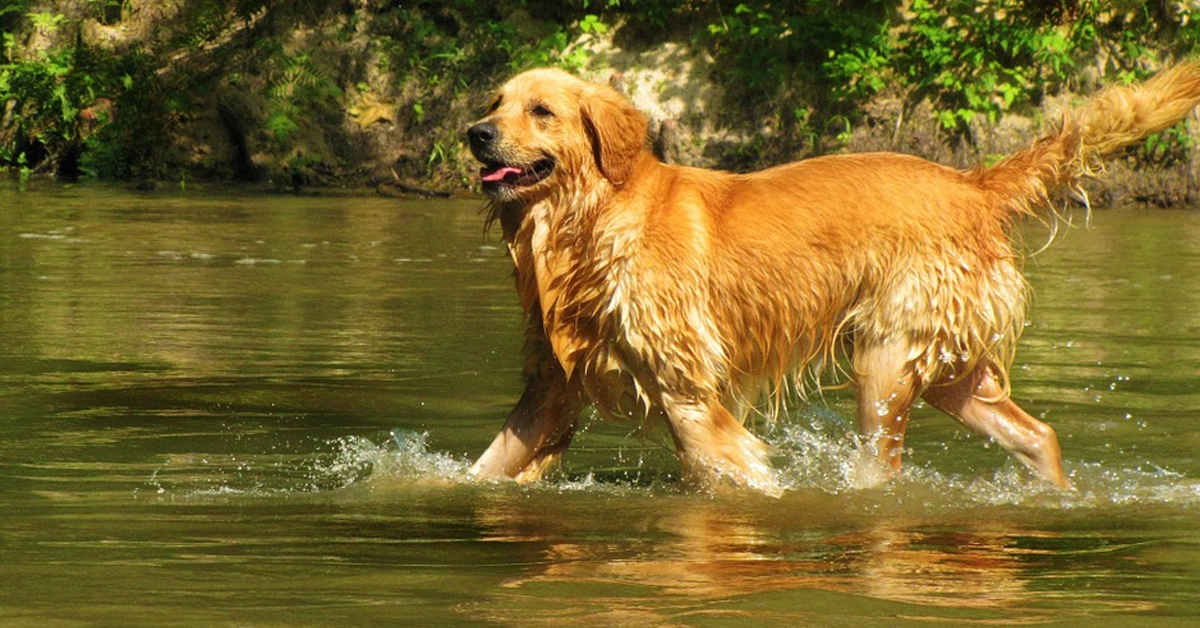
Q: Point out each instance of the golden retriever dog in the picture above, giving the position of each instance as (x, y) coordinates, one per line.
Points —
(692, 296)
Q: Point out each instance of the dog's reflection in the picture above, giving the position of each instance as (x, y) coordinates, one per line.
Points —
(688, 549)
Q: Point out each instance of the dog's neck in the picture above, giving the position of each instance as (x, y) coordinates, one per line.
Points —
(560, 239)
(574, 207)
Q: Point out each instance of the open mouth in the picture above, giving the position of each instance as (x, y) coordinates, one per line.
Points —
(508, 175)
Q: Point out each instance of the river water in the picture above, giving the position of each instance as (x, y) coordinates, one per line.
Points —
(220, 409)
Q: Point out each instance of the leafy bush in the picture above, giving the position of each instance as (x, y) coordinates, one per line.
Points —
(977, 59)
(45, 98)
(59, 105)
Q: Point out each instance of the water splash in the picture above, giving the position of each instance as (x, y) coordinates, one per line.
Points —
(332, 466)
(407, 457)
(821, 454)
(818, 454)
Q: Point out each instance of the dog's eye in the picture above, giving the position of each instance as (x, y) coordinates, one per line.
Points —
(541, 111)
(494, 106)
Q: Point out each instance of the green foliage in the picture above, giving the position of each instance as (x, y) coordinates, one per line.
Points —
(592, 24)
(857, 70)
(1168, 148)
(62, 119)
(45, 21)
(470, 40)
(45, 98)
(299, 88)
(977, 59)
(802, 70)
(970, 59)
(55, 99)
(555, 48)
(12, 9)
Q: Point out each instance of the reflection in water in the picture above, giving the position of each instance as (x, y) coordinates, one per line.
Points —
(965, 569)
(696, 556)
(705, 553)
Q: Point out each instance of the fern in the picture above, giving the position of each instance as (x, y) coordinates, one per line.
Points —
(299, 85)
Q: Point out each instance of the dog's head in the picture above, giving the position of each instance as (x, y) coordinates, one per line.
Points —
(546, 127)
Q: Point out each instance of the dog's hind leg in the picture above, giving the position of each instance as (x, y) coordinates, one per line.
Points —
(981, 403)
(537, 431)
(714, 447)
(887, 386)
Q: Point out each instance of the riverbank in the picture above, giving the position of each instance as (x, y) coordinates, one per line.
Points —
(293, 96)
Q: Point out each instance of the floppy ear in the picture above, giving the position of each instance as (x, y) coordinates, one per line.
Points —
(617, 131)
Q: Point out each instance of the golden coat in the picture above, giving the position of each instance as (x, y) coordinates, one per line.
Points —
(690, 295)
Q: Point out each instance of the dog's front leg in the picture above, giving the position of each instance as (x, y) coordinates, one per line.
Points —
(537, 430)
(715, 448)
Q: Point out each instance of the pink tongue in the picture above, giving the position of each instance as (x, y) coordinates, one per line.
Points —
(499, 173)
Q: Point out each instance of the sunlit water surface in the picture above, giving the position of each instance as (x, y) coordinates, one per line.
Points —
(229, 410)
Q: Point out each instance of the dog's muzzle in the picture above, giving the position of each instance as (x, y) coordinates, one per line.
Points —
(500, 173)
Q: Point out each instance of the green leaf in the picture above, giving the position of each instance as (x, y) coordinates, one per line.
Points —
(46, 21)
(281, 125)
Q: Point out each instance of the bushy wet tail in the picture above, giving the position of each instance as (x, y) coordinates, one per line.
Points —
(1113, 119)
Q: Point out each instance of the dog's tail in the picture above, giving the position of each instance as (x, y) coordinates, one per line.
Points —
(1113, 119)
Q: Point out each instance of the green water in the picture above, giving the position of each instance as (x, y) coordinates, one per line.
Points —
(255, 411)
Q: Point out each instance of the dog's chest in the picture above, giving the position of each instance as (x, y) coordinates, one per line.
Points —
(571, 279)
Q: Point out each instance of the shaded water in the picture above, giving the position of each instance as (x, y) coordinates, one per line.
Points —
(229, 410)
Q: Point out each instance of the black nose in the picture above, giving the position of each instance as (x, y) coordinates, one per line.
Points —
(482, 134)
